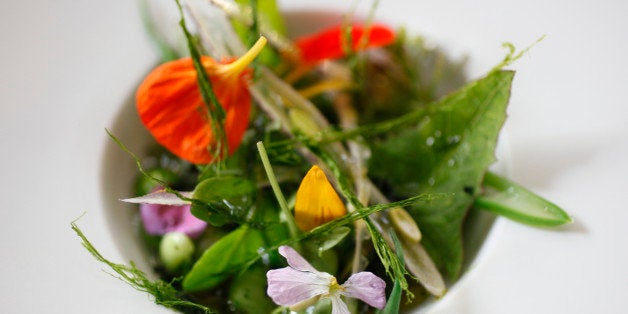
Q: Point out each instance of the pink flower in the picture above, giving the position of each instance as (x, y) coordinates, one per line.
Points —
(300, 283)
(163, 212)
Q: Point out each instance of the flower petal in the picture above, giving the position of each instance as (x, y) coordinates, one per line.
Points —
(288, 286)
(366, 287)
(338, 306)
(316, 202)
(160, 197)
(328, 44)
(170, 105)
(296, 261)
(161, 218)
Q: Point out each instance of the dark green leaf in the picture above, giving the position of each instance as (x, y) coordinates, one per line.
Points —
(448, 152)
(394, 300)
(226, 257)
(327, 261)
(247, 292)
(513, 201)
(328, 240)
(219, 200)
(276, 234)
(275, 231)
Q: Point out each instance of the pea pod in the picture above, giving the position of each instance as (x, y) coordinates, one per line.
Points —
(513, 201)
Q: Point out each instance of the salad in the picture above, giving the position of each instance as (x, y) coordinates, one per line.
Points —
(333, 172)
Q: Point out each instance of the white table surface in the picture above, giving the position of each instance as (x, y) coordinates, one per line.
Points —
(67, 66)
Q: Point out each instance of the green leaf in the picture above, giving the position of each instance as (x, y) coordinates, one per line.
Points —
(326, 261)
(219, 200)
(226, 257)
(448, 152)
(247, 292)
(275, 232)
(513, 201)
(328, 240)
(392, 304)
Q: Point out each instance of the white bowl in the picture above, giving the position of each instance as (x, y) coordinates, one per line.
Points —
(119, 172)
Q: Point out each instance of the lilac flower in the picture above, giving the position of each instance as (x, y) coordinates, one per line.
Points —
(300, 283)
(163, 212)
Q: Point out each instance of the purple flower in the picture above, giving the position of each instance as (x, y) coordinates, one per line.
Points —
(163, 212)
(300, 283)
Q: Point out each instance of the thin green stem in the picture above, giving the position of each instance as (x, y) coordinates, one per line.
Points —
(292, 226)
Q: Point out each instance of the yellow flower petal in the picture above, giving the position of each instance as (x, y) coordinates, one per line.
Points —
(317, 202)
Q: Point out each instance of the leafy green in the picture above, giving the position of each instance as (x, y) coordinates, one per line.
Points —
(247, 292)
(226, 257)
(394, 300)
(219, 200)
(513, 201)
(328, 240)
(448, 152)
(267, 216)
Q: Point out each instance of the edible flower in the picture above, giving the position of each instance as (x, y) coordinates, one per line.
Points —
(163, 212)
(300, 285)
(161, 219)
(330, 43)
(316, 202)
(171, 107)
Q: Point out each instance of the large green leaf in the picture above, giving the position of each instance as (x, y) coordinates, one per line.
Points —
(448, 152)
(225, 258)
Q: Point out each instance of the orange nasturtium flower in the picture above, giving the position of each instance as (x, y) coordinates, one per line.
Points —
(171, 107)
(329, 43)
(317, 202)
